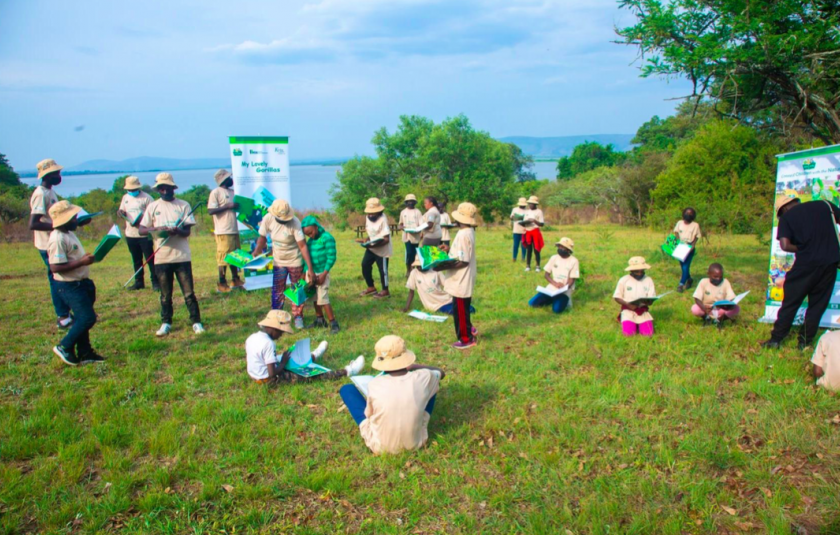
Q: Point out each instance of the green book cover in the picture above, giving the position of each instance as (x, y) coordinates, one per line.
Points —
(108, 242)
(84, 216)
(431, 257)
(239, 258)
(250, 212)
(299, 293)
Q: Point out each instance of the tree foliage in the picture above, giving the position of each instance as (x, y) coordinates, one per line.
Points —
(773, 65)
(586, 157)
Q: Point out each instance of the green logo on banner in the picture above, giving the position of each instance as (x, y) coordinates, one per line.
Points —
(237, 152)
(808, 164)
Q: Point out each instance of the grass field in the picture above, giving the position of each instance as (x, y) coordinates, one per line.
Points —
(552, 424)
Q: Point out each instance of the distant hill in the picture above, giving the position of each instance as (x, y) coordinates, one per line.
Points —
(557, 147)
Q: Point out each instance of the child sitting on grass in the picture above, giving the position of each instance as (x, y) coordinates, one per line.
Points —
(561, 271)
(631, 289)
(261, 353)
(710, 290)
(396, 415)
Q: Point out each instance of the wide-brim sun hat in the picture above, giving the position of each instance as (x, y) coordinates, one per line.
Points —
(410, 197)
(522, 202)
(465, 214)
(221, 175)
(391, 354)
(417, 262)
(373, 206)
(282, 210)
(533, 199)
(62, 212)
(637, 263)
(781, 202)
(46, 167)
(278, 319)
(165, 179)
(132, 183)
(567, 243)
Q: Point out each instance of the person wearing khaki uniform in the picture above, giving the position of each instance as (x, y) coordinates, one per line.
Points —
(410, 217)
(379, 252)
(225, 227)
(132, 207)
(517, 215)
(459, 277)
(561, 271)
(636, 285)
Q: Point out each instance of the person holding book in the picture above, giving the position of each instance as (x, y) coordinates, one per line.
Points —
(69, 265)
(395, 417)
(631, 293)
(459, 275)
(410, 218)
(687, 230)
(517, 215)
(826, 361)
(322, 250)
(263, 364)
(561, 271)
(429, 285)
(290, 252)
(132, 207)
(533, 238)
(431, 233)
(445, 224)
(222, 207)
(377, 248)
(170, 221)
(711, 290)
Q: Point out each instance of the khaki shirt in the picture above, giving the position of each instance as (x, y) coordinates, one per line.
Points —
(687, 233)
(563, 269)
(432, 218)
(709, 294)
(429, 286)
(40, 202)
(65, 247)
(395, 415)
(629, 289)
(461, 282)
(134, 206)
(161, 213)
(225, 222)
(827, 357)
(517, 223)
(444, 232)
(410, 218)
(534, 215)
(284, 240)
(379, 229)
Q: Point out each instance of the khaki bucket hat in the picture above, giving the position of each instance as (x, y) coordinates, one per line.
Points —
(533, 199)
(46, 167)
(465, 214)
(781, 202)
(132, 183)
(373, 206)
(522, 202)
(164, 179)
(278, 319)
(221, 175)
(282, 210)
(410, 197)
(567, 243)
(637, 263)
(391, 354)
(62, 212)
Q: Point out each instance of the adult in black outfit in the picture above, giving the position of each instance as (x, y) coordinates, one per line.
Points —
(809, 230)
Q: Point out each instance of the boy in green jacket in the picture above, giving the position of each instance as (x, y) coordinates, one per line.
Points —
(321, 246)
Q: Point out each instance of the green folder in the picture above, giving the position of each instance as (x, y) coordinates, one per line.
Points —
(299, 293)
(239, 258)
(431, 257)
(108, 242)
(84, 216)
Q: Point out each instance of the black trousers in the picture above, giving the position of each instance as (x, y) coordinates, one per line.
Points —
(529, 251)
(139, 248)
(461, 315)
(166, 274)
(367, 269)
(817, 284)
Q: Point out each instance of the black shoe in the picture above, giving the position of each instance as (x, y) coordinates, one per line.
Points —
(689, 283)
(68, 357)
(681, 288)
(136, 287)
(334, 328)
(707, 322)
(771, 344)
(320, 323)
(91, 358)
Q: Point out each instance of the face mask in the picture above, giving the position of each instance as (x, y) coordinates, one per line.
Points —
(134, 193)
(688, 218)
(638, 276)
(72, 225)
(373, 217)
(167, 195)
(55, 180)
(716, 282)
(564, 253)
(228, 184)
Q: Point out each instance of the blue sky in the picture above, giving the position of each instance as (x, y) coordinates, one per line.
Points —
(176, 78)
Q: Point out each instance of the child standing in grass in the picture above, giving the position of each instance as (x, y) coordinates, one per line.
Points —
(687, 230)
(826, 361)
(410, 217)
(395, 416)
(710, 290)
(562, 270)
(459, 281)
(261, 354)
(634, 286)
(322, 250)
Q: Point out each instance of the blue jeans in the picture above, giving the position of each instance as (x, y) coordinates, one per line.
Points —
(447, 309)
(558, 302)
(686, 267)
(356, 402)
(410, 253)
(517, 245)
(78, 296)
(61, 309)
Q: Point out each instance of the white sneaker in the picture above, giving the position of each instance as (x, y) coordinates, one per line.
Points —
(164, 330)
(298, 323)
(527, 269)
(198, 328)
(538, 269)
(356, 366)
(320, 350)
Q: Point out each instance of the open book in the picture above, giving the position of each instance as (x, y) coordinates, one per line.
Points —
(552, 290)
(427, 317)
(362, 381)
(729, 304)
(675, 248)
(300, 361)
(416, 230)
(372, 243)
(133, 217)
(108, 242)
(431, 257)
(648, 300)
(84, 216)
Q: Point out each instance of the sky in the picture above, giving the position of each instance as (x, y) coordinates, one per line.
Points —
(113, 80)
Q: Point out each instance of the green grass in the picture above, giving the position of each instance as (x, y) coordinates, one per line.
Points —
(553, 424)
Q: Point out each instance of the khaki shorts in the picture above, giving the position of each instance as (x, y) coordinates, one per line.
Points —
(225, 243)
(322, 295)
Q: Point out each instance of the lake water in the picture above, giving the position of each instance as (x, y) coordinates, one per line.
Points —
(310, 183)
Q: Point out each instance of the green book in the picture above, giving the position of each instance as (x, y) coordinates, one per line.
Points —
(84, 216)
(371, 243)
(431, 257)
(133, 217)
(239, 258)
(108, 242)
(250, 212)
(299, 293)
(300, 361)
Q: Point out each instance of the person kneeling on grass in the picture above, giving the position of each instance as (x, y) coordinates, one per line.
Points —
(710, 290)
(261, 354)
(396, 415)
(429, 285)
(633, 287)
(561, 271)
(69, 265)
(826, 361)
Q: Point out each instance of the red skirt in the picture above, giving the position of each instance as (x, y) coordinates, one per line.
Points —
(534, 237)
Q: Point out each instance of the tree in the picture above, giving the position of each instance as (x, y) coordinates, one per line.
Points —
(773, 65)
(586, 157)
(8, 176)
(523, 164)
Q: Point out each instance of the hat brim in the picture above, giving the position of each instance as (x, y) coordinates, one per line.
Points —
(399, 363)
(785, 202)
(281, 218)
(375, 211)
(173, 186)
(572, 249)
(220, 181)
(42, 174)
(132, 189)
(637, 268)
(460, 218)
(66, 216)
(277, 325)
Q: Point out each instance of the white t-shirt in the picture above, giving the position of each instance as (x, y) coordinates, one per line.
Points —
(284, 240)
(563, 269)
(517, 223)
(376, 230)
(533, 215)
(260, 351)
(410, 218)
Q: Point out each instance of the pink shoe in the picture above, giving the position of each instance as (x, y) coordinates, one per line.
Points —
(463, 345)
(474, 331)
